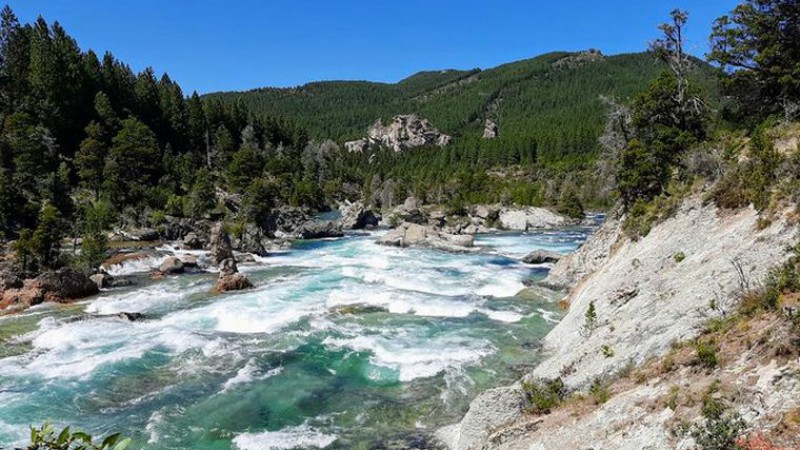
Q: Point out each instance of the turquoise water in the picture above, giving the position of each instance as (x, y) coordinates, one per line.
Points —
(344, 344)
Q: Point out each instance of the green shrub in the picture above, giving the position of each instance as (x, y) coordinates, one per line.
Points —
(721, 428)
(599, 391)
(607, 351)
(544, 395)
(672, 399)
(707, 353)
(679, 257)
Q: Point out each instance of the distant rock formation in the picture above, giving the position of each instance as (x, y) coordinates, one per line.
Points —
(490, 129)
(402, 133)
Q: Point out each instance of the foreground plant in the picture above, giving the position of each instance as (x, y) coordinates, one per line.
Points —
(46, 438)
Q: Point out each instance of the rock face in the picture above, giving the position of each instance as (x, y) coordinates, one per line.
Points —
(355, 216)
(402, 133)
(645, 299)
(541, 257)
(490, 129)
(530, 218)
(222, 255)
(415, 235)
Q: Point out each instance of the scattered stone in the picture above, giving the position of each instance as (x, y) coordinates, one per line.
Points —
(490, 129)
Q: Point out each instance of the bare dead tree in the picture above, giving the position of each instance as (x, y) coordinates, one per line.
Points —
(670, 49)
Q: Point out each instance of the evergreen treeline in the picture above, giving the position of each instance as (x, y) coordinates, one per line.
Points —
(78, 131)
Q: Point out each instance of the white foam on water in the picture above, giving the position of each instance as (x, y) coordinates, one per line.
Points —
(415, 357)
(398, 302)
(502, 316)
(248, 374)
(14, 435)
(77, 349)
(501, 287)
(300, 437)
(134, 266)
(154, 297)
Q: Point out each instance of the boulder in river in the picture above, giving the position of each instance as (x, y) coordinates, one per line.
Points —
(60, 286)
(541, 257)
(317, 230)
(232, 282)
(525, 219)
(356, 216)
(222, 255)
(192, 241)
(171, 266)
(415, 235)
(102, 280)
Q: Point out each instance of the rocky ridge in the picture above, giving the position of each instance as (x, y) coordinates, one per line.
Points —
(404, 132)
(647, 294)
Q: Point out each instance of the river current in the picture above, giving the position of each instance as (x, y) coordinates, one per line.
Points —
(344, 344)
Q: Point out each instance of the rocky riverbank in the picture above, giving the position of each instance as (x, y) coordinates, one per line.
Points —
(162, 251)
(645, 296)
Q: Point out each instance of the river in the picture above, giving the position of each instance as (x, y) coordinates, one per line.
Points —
(343, 344)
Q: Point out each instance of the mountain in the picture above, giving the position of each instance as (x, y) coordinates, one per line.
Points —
(551, 104)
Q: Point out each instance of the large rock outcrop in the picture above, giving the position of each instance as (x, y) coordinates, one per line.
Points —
(60, 286)
(402, 133)
(222, 255)
(647, 294)
(356, 216)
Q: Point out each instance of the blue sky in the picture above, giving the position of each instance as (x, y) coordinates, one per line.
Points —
(213, 45)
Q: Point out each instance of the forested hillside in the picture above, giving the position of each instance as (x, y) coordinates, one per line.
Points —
(549, 108)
